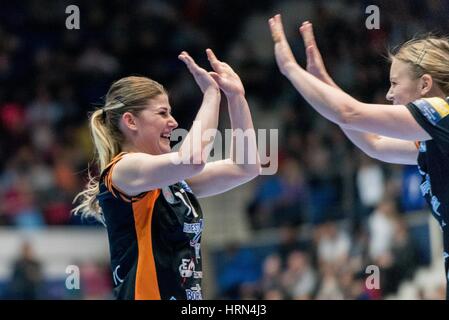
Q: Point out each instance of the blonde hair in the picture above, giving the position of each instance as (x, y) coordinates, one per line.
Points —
(427, 55)
(129, 94)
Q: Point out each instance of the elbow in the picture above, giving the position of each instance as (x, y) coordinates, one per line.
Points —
(347, 115)
(196, 168)
(381, 156)
(255, 171)
(259, 169)
(372, 151)
(373, 154)
(252, 171)
(254, 168)
(195, 161)
(344, 118)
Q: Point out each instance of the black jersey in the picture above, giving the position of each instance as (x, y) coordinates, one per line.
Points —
(432, 114)
(154, 240)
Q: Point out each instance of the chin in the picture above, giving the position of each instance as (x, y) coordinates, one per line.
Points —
(165, 149)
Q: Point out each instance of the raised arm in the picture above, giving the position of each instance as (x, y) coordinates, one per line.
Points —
(339, 107)
(243, 163)
(139, 172)
(376, 146)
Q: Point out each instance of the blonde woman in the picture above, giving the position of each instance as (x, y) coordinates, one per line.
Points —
(414, 131)
(147, 194)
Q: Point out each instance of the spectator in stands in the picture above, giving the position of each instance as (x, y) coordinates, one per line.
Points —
(27, 278)
(299, 279)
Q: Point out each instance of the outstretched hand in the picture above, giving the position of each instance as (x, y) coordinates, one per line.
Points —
(225, 76)
(203, 78)
(315, 63)
(284, 55)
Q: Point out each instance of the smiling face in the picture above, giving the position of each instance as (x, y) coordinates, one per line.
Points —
(149, 131)
(404, 87)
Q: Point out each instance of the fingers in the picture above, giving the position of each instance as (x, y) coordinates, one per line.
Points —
(188, 60)
(216, 64)
(211, 56)
(313, 54)
(184, 57)
(310, 52)
(277, 29)
(313, 57)
(306, 31)
(219, 68)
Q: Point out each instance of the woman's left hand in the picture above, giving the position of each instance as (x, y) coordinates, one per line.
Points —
(203, 78)
(224, 75)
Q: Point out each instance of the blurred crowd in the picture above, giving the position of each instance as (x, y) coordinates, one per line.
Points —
(335, 261)
(51, 77)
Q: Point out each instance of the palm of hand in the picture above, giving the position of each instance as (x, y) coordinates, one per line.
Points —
(203, 79)
(230, 82)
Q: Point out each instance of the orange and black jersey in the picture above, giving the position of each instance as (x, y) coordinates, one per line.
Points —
(154, 240)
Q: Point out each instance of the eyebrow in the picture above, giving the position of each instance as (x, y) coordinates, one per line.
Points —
(165, 108)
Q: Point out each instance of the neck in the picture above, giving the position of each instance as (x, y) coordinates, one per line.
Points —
(130, 148)
(436, 92)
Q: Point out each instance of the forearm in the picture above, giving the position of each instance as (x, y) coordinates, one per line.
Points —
(326, 78)
(373, 145)
(328, 100)
(243, 154)
(384, 148)
(364, 141)
(206, 121)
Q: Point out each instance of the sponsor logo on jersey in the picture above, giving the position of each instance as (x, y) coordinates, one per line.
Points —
(425, 187)
(187, 268)
(194, 293)
(197, 229)
(193, 227)
(191, 209)
(434, 109)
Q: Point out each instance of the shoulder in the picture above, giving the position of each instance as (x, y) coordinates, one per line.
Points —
(109, 167)
(433, 109)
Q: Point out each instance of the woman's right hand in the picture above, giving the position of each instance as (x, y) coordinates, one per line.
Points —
(315, 63)
(282, 51)
(201, 76)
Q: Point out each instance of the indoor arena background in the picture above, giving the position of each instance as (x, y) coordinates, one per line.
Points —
(311, 231)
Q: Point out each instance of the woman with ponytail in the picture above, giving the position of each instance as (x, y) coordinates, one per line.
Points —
(146, 194)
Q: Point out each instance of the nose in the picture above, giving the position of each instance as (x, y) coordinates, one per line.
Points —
(389, 95)
(173, 123)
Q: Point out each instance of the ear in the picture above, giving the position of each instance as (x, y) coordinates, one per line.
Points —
(129, 121)
(425, 84)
